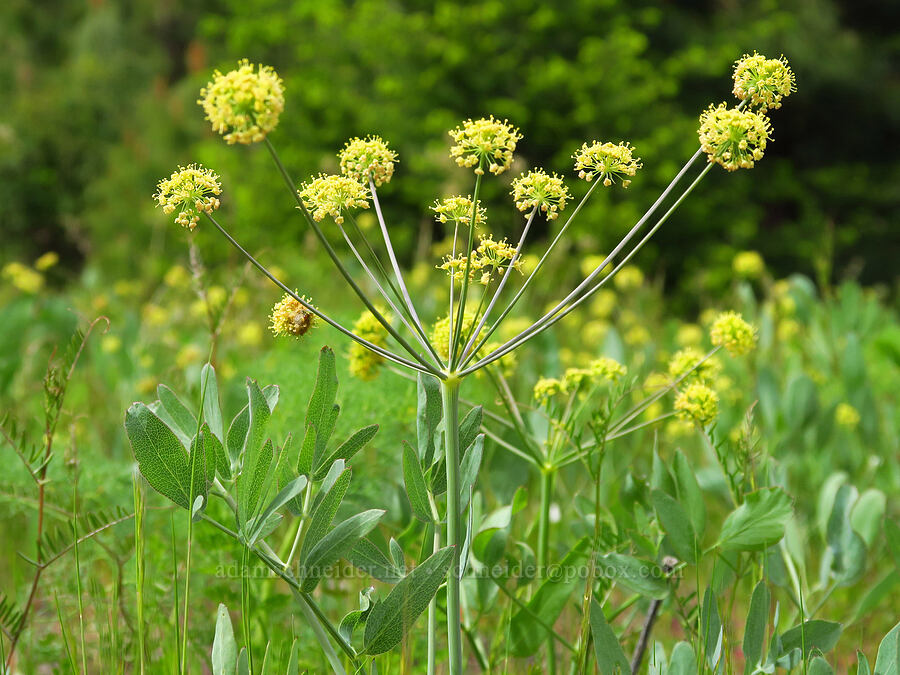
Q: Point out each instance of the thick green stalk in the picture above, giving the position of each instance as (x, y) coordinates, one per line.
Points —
(450, 401)
(548, 474)
(432, 607)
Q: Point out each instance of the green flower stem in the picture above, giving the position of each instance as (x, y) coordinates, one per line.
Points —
(393, 258)
(390, 356)
(521, 291)
(461, 309)
(400, 313)
(452, 287)
(270, 560)
(468, 352)
(450, 402)
(558, 313)
(339, 265)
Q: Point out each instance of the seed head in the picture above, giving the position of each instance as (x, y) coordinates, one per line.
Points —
(290, 317)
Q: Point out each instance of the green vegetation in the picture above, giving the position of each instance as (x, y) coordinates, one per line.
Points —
(691, 466)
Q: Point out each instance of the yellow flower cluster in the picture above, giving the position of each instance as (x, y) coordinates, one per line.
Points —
(733, 138)
(846, 416)
(458, 210)
(331, 195)
(698, 403)
(366, 157)
(687, 360)
(364, 363)
(748, 265)
(290, 317)
(191, 190)
(729, 330)
(608, 162)
(603, 369)
(244, 104)
(764, 81)
(23, 277)
(490, 257)
(440, 333)
(539, 190)
(485, 142)
(546, 388)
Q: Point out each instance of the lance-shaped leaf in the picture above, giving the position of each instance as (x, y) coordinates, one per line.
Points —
(335, 545)
(758, 522)
(212, 412)
(468, 470)
(224, 648)
(414, 480)
(176, 415)
(611, 660)
(324, 510)
(755, 629)
(814, 634)
(237, 431)
(390, 619)
(468, 430)
(321, 413)
(216, 457)
(368, 558)
(683, 661)
(289, 492)
(200, 470)
(689, 494)
(253, 482)
(845, 547)
(711, 630)
(677, 525)
(428, 415)
(347, 449)
(638, 576)
(162, 459)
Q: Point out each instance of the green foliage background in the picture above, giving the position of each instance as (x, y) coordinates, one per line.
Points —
(102, 104)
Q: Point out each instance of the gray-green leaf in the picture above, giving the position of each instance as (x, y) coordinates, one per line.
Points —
(390, 619)
(162, 459)
(758, 522)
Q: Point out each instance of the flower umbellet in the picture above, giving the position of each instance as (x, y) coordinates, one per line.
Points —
(607, 162)
(333, 196)
(763, 82)
(243, 104)
(191, 190)
(730, 331)
(735, 139)
(458, 210)
(539, 190)
(369, 157)
(697, 403)
(486, 142)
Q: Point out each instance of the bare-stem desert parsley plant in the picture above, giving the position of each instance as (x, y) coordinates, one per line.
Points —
(244, 106)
